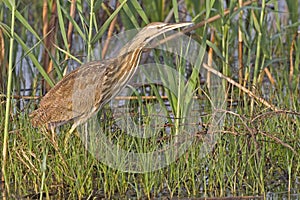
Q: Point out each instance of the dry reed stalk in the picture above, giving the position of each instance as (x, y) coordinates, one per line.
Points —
(210, 57)
(70, 26)
(109, 33)
(45, 30)
(291, 74)
(269, 75)
(45, 17)
(250, 93)
(49, 32)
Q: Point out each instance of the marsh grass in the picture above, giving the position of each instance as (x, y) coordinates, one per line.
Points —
(240, 164)
(257, 151)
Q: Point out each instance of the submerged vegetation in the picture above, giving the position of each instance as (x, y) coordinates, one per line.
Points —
(255, 48)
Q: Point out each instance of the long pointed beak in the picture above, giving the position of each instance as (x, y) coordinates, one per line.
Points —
(169, 27)
(173, 26)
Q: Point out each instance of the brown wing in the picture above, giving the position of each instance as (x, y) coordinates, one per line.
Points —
(72, 97)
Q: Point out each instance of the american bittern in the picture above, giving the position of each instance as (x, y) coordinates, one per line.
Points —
(107, 78)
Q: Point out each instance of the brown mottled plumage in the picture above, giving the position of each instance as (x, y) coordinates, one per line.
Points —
(85, 90)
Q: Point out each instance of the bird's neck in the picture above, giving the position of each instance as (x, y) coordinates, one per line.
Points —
(134, 45)
(131, 59)
(120, 74)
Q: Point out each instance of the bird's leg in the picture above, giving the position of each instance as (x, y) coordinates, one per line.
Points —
(69, 133)
(52, 130)
(86, 135)
(49, 132)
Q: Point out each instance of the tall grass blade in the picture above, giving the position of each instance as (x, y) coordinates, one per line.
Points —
(107, 22)
(175, 8)
(131, 16)
(23, 21)
(35, 61)
(140, 11)
(62, 25)
(75, 24)
(89, 42)
(30, 54)
(8, 96)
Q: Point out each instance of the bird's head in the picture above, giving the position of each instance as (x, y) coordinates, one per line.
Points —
(155, 29)
(150, 32)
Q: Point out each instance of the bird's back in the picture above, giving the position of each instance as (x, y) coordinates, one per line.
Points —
(75, 95)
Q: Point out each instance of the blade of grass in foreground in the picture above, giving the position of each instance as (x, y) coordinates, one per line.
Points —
(175, 7)
(90, 31)
(140, 10)
(62, 25)
(8, 99)
(131, 16)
